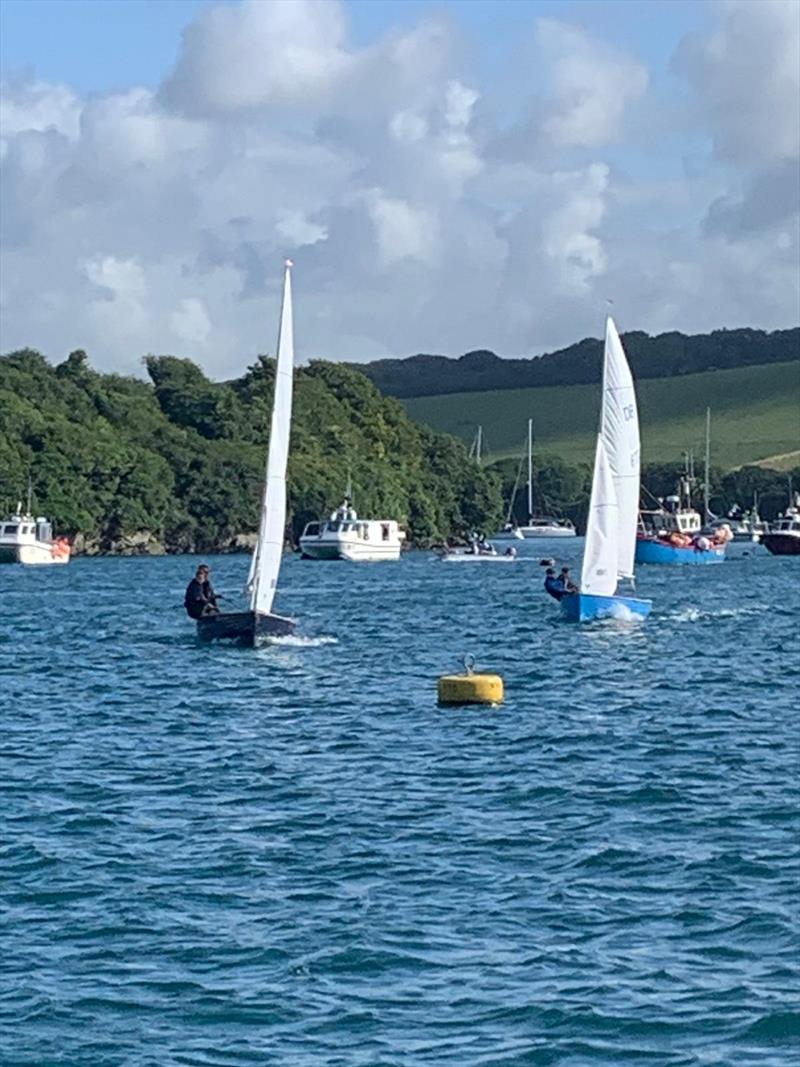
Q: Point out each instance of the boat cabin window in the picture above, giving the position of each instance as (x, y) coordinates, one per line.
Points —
(25, 530)
(312, 529)
(333, 526)
(11, 528)
(384, 531)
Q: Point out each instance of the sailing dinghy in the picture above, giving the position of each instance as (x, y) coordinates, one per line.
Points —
(260, 621)
(608, 554)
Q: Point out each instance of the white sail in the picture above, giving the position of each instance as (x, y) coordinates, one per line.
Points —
(266, 561)
(599, 574)
(619, 426)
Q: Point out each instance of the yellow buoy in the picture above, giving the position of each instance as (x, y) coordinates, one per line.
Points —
(470, 688)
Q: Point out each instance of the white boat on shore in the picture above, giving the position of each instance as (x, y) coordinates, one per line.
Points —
(346, 536)
(29, 540)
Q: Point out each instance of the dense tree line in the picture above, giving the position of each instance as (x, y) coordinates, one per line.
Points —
(181, 458)
(664, 356)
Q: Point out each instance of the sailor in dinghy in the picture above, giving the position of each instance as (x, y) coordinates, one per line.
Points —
(608, 554)
(260, 621)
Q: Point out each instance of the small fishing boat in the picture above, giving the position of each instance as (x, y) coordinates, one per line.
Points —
(783, 538)
(537, 526)
(466, 555)
(29, 540)
(608, 554)
(672, 534)
(346, 536)
(249, 627)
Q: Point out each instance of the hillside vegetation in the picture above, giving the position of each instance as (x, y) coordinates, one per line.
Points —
(754, 415)
(667, 355)
(177, 463)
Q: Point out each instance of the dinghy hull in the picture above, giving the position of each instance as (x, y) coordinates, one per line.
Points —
(587, 607)
(244, 627)
(652, 551)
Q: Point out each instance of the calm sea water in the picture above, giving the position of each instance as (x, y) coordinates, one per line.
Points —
(221, 856)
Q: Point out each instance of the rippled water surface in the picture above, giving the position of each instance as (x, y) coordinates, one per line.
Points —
(221, 856)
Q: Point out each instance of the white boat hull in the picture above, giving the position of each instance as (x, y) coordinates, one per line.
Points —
(35, 554)
(472, 557)
(354, 552)
(533, 532)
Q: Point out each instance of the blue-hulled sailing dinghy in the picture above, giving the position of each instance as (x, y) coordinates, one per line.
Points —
(608, 554)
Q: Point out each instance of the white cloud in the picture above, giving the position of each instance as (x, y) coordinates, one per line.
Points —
(190, 322)
(249, 54)
(591, 85)
(136, 222)
(401, 230)
(746, 71)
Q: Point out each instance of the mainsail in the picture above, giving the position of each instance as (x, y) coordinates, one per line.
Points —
(619, 427)
(599, 574)
(266, 561)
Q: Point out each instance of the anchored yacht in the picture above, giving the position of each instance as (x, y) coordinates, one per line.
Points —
(345, 536)
(29, 540)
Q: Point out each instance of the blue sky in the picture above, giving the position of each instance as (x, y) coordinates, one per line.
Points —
(445, 175)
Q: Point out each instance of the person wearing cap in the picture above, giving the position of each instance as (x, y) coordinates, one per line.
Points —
(200, 597)
(553, 585)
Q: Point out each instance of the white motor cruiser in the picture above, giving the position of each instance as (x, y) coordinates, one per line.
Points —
(345, 536)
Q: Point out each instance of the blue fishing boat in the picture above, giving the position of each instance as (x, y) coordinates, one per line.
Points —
(672, 534)
(608, 554)
(655, 550)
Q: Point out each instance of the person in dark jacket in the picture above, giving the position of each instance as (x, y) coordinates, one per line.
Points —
(200, 597)
(553, 585)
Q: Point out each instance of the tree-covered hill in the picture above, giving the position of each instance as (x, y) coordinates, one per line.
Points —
(178, 462)
(665, 356)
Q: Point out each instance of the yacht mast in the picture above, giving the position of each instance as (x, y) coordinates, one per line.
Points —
(706, 488)
(530, 469)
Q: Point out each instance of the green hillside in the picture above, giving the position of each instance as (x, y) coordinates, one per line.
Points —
(755, 414)
(177, 463)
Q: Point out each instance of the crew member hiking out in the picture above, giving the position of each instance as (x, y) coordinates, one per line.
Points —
(200, 597)
(554, 586)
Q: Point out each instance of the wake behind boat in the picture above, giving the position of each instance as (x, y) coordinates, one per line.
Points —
(260, 621)
(611, 527)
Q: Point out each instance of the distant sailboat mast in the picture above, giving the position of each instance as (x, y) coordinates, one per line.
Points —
(707, 516)
(530, 470)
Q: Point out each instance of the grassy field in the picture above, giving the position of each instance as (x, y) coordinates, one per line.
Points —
(755, 414)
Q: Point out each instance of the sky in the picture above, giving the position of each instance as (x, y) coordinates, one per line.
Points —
(446, 176)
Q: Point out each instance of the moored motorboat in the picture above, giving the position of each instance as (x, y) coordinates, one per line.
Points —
(346, 536)
(466, 555)
(783, 538)
(29, 540)
(609, 551)
(250, 627)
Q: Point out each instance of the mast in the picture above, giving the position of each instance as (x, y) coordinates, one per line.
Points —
(706, 509)
(530, 469)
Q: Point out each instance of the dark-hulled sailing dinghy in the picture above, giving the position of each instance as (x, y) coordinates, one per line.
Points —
(248, 627)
